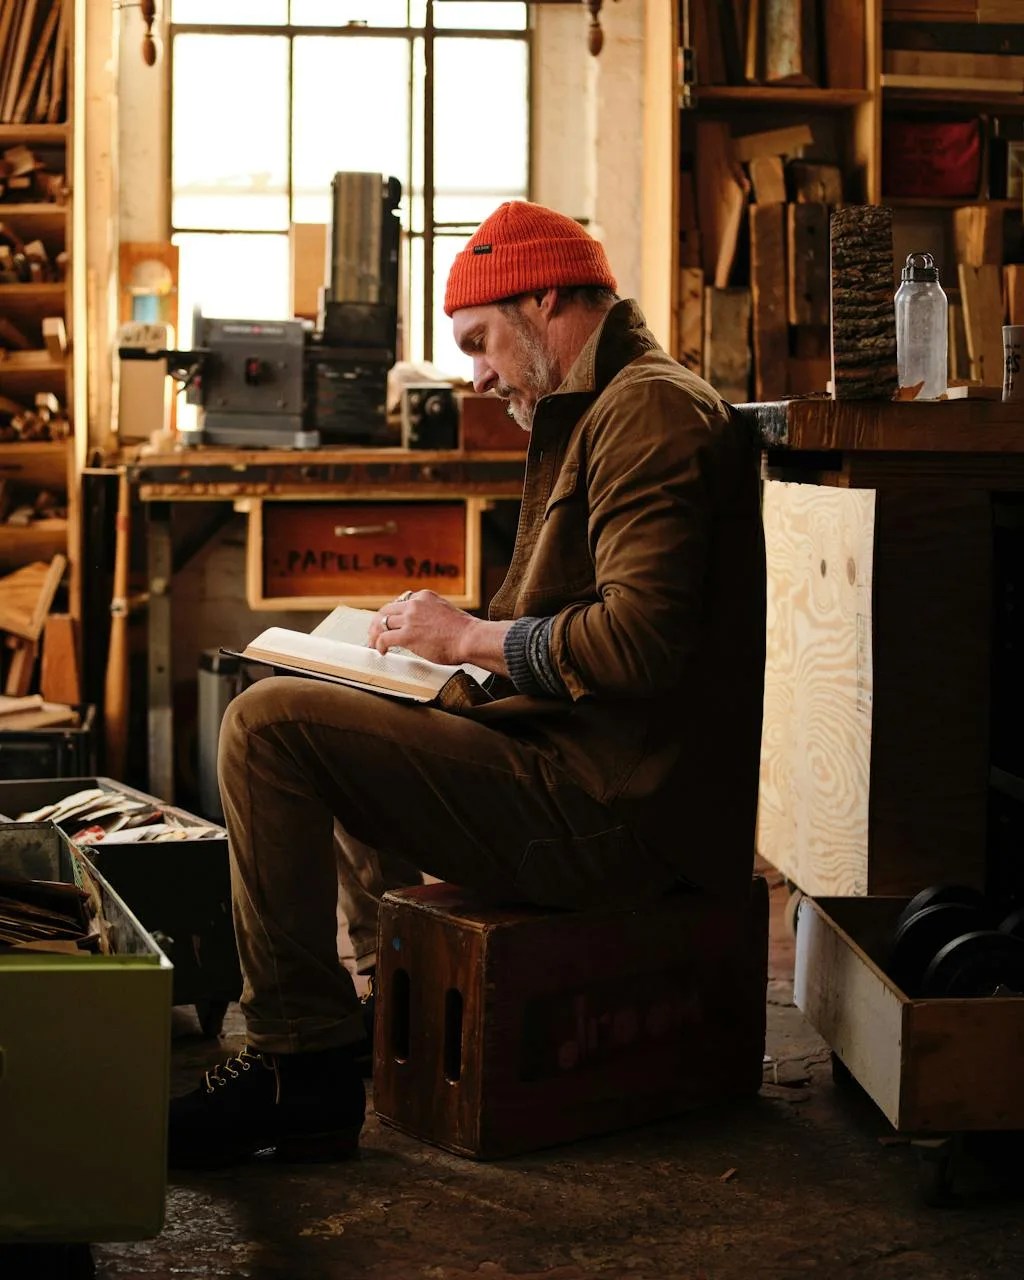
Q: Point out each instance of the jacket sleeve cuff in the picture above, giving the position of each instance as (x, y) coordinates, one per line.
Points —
(527, 651)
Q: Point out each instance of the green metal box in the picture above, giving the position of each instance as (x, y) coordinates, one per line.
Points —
(84, 1070)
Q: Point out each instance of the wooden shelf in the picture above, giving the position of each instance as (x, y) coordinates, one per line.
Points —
(943, 99)
(36, 462)
(949, 202)
(40, 540)
(21, 380)
(755, 96)
(33, 133)
(51, 214)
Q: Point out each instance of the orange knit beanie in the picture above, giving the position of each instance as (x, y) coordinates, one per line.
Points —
(522, 247)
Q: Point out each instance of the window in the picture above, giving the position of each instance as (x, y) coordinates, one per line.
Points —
(270, 98)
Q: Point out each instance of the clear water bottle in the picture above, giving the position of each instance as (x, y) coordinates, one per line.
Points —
(921, 329)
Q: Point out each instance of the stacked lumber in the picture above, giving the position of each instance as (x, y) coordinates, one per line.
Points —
(33, 61)
(26, 597)
(754, 222)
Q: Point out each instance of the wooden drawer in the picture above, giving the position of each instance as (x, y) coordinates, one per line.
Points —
(932, 1066)
(316, 554)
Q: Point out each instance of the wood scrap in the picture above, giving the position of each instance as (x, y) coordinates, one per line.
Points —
(814, 183)
(978, 234)
(981, 292)
(59, 676)
(773, 142)
(768, 299)
(863, 319)
(790, 45)
(727, 342)
(767, 179)
(722, 189)
(808, 263)
(26, 596)
(691, 318)
(1013, 292)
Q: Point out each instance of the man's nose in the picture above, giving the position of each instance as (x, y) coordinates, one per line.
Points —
(484, 377)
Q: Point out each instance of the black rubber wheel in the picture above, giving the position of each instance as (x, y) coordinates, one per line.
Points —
(978, 963)
(211, 1014)
(936, 894)
(922, 935)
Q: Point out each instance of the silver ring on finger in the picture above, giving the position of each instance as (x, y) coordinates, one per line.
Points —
(406, 595)
(384, 623)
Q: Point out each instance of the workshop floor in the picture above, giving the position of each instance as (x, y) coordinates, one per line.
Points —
(804, 1179)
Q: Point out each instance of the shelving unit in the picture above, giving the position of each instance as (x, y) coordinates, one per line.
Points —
(31, 466)
(685, 273)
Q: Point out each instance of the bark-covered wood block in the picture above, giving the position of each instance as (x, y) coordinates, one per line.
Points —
(863, 314)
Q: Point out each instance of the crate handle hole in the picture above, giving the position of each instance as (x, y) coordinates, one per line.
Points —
(452, 1035)
(400, 1015)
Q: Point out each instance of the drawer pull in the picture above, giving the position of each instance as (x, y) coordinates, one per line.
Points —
(354, 530)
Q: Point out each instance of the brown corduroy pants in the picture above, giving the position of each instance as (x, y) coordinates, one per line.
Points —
(423, 789)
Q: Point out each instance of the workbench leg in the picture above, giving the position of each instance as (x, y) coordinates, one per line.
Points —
(160, 721)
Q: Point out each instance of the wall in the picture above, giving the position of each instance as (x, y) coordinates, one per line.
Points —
(586, 162)
(587, 123)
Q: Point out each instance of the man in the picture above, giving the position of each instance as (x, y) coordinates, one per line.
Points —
(619, 756)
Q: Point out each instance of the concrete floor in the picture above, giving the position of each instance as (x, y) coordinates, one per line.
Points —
(804, 1179)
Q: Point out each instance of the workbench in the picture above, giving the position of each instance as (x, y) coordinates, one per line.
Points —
(228, 480)
(891, 754)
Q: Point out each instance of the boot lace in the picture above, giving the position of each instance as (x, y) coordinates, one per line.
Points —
(219, 1076)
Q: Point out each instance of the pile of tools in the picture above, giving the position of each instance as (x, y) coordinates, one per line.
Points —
(951, 941)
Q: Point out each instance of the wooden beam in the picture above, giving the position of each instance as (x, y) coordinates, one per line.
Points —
(981, 291)
(768, 300)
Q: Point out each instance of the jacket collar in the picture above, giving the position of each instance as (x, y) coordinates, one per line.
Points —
(620, 338)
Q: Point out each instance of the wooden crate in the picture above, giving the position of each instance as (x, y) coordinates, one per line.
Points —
(875, 746)
(932, 1066)
(501, 1030)
(317, 554)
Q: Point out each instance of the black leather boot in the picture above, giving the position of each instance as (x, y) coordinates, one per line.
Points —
(302, 1106)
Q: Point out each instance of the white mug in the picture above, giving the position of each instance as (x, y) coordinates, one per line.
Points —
(1013, 361)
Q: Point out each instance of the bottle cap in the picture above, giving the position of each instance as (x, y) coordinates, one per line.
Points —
(920, 268)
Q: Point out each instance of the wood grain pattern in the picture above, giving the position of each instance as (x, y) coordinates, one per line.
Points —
(844, 27)
(849, 1002)
(981, 293)
(963, 428)
(978, 234)
(726, 342)
(547, 998)
(691, 318)
(816, 739)
(808, 259)
(768, 300)
(1013, 289)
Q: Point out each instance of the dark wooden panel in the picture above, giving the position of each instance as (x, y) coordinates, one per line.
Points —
(573, 1023)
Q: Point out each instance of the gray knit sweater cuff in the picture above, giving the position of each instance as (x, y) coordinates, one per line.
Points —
(527, 651)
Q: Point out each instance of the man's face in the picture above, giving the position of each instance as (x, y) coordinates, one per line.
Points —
(510, 356)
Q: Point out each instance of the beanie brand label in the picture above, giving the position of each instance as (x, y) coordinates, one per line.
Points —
(481, 248)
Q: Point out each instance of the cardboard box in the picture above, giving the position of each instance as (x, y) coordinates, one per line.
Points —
(84, 1072)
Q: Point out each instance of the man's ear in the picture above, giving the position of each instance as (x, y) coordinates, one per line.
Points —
(549, 302)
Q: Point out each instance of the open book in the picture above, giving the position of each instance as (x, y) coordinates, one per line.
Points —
(337, 650)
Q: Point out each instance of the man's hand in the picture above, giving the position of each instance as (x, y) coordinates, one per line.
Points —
(426, 624)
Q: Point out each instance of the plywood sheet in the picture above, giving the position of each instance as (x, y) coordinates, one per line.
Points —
(816, 741)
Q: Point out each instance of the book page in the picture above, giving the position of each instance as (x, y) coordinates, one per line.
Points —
(345, 623)
(353, 625)
(404, 673)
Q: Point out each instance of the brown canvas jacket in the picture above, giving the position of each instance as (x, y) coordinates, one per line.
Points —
(640, 534)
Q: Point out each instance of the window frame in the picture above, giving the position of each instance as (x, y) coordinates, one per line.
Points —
(429, 34)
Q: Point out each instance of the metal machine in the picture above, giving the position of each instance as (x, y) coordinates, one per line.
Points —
(283, 383)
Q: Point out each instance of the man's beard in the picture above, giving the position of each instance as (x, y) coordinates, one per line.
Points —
(539, 377)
